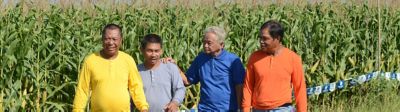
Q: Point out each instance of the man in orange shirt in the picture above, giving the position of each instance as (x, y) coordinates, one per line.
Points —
(271, 74)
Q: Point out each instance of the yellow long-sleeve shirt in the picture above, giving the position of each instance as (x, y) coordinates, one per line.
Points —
(109, 83)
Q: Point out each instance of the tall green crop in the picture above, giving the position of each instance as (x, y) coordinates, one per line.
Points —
(41, 51)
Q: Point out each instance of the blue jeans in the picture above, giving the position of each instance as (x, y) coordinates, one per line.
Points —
(289, 108)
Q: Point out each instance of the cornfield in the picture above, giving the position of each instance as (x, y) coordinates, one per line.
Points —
(41, 50)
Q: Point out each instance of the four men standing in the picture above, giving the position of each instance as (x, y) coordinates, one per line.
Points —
(271, 74)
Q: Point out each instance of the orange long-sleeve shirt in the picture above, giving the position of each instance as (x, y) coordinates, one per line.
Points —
(269, 81)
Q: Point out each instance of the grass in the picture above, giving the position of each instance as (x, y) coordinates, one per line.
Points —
(375, 96)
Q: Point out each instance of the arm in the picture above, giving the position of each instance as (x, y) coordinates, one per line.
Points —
(248, 88)
(82, 90)
(299, 86)
(238, 73)
(184, 78)
(178, 89)
(135, 86)
(239, 94)
(192, 74)
(172, 106)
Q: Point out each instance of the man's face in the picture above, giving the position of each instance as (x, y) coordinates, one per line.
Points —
(211, 44)
(152, 52)
(111, 42)
(267, 43)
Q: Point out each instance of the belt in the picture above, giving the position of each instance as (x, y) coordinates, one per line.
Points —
(286, 105)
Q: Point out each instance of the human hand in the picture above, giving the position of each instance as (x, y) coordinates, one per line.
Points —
(168, 59)
(171, 107)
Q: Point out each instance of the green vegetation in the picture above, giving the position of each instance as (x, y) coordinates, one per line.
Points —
(41, 49)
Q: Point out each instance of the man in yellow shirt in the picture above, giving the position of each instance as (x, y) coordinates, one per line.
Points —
(108, 77)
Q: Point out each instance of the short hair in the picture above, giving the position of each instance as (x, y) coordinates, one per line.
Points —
(150, 38)
(220, 32)
(275, 29)
(111, 27)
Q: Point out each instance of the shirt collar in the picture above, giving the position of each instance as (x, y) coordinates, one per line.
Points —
(220, 56)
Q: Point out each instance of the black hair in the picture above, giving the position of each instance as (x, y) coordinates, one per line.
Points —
(275, 29)
(111, 27)
(151, 38)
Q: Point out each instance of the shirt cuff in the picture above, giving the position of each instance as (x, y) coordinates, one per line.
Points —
(78, 110)
(177, 101)
(246, 109)
(144, 108)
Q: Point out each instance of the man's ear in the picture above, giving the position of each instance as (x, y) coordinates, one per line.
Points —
(141, 49)
(121, 40)
(280, 39)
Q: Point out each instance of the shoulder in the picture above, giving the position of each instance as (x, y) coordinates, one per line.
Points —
(200, 57)
(126, 59)
(256, 55)
(232, 58)
(293, 54)
(171, 66)
(230, 55)
(125, 56)
(93, 57)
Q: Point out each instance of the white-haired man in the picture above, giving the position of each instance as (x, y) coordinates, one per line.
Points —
(220, 73)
